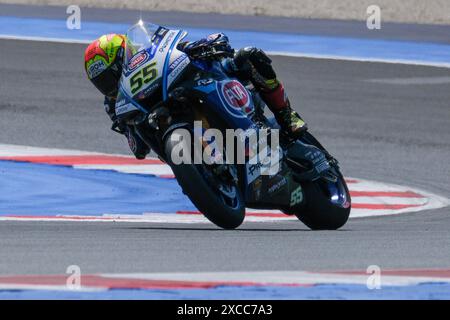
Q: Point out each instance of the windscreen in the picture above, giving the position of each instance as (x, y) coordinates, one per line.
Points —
(139, 37)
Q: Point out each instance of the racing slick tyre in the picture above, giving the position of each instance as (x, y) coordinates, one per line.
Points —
(327, 204)
(220, 202)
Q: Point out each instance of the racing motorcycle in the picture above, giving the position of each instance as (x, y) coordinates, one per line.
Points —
(163, 90)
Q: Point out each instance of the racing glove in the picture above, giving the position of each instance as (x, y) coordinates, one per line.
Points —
(136, 144)
(216, 44)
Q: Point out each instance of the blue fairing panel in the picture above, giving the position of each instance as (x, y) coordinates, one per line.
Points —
(230, 99)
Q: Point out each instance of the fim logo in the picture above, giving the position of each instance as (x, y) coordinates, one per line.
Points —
(73, 21)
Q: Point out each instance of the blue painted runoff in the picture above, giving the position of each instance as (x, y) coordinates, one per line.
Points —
(40, 189)
(425, 291)
(272, 42)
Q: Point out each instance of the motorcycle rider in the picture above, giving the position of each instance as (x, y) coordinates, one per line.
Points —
(103, 65)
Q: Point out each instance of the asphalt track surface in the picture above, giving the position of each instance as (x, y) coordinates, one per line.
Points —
(395, 133)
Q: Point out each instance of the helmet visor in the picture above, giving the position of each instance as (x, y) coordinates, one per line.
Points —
(107, 82)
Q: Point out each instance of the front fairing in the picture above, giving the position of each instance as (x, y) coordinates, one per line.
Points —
(226, 96)
(229, 100)
(152, 63)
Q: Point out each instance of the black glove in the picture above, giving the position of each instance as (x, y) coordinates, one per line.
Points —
(215, 45)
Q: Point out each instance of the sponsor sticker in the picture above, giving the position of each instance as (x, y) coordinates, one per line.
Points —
(176, 71)
(204, 82)
(138, 60)
(296, 196)
(253, 171)
(125, 108)
(235, 94)
(148, 91)
(120, 103)
(235, 98)
(177, 61)
(278, 185)
(213, 36)
(167, 41)
(162, 31)
(96, 68)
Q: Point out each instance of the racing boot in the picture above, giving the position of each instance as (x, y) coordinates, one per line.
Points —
(278, 102)
(254, 64)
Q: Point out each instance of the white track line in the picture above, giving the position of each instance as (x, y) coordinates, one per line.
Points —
(15, 150)
(152, 169)
(281, 277)
(425, 201)
(265, 278)
(360, 59)
(44, 39)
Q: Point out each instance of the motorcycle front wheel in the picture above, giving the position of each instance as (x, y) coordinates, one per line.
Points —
(219, 201)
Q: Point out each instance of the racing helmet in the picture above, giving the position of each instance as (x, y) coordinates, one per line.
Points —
(103, 60)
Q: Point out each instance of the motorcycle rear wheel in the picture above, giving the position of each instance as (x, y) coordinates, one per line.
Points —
(319, 211)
